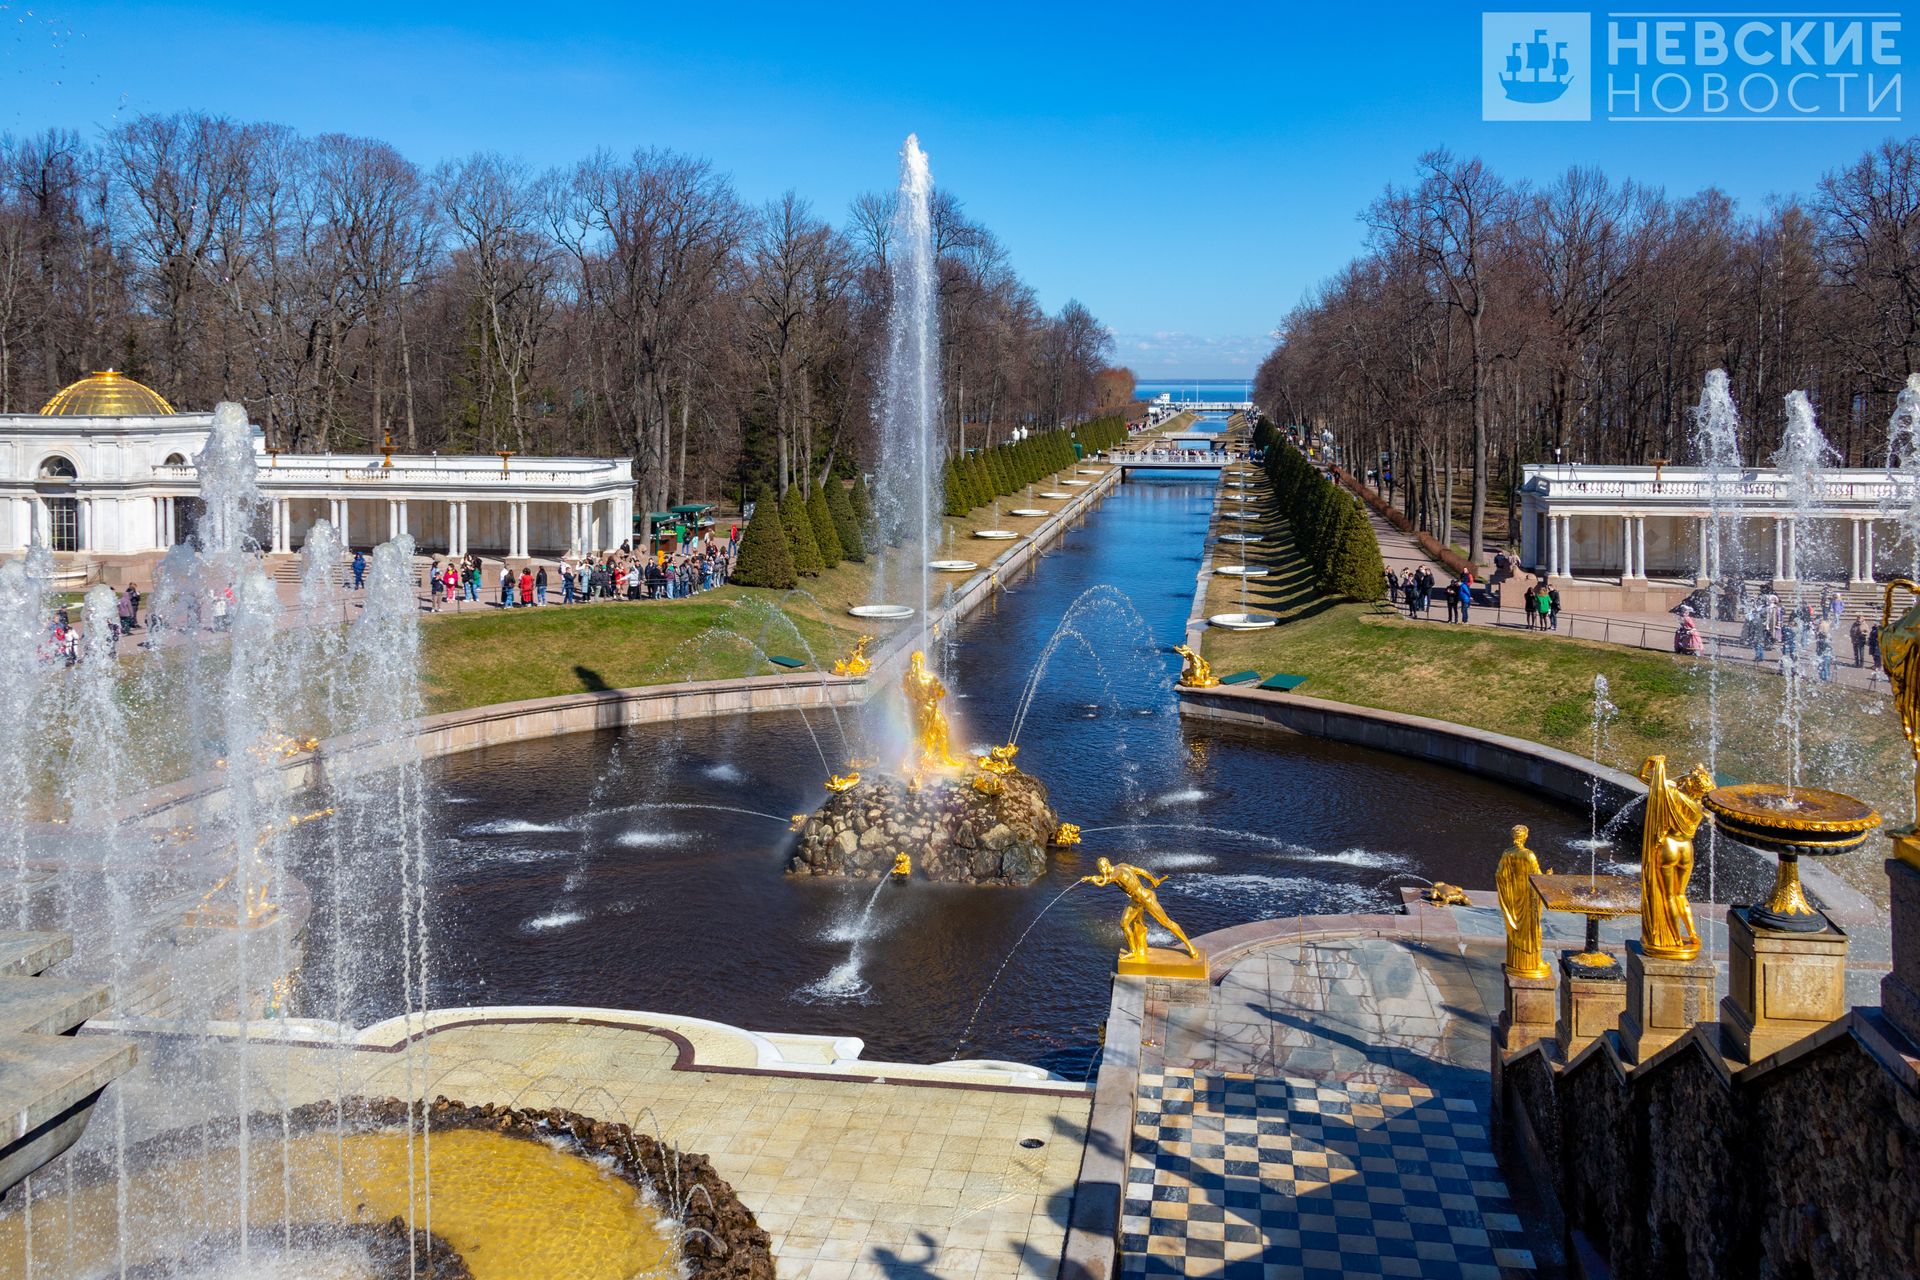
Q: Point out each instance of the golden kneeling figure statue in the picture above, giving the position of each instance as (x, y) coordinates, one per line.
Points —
(1198, 672)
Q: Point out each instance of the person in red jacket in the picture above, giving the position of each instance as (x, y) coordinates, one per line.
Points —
(526, 588)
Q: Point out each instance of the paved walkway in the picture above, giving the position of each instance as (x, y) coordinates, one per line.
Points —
(1323, 1115)
(854, 1179)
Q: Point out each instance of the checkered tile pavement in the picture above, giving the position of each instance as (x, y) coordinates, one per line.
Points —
(1243, 1178)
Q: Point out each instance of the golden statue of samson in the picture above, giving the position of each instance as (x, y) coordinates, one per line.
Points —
(924, 692)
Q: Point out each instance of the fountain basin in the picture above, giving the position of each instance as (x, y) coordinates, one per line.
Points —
(1242, 621)
(1243, 537)
(952, 566)
(882, 612)
(1242, 570)
(1054, 493)
(1241, 515)
(1077, 482)
(1800, 820)
(996, 535)
(514, 1194)
(1028, 511)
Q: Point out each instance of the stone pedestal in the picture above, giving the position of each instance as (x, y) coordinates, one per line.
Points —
(1167, 963)
(1780, 986)
(1591, 1002)
(1665, 999)
(1530, 1012)
(1900, 990)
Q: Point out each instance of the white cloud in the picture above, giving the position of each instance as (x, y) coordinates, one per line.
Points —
(1170, 353)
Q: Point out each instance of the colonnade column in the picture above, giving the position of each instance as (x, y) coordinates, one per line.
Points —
(1869, 558)
(85, 523)
(342, 520)
(573, 528)
(1779, 547)
(1853, 547)
(453, 527)
(1705, 573)
(1793, 550)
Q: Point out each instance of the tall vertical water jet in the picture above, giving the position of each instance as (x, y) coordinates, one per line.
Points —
(1717, 437)
(24, 674)
(906, 499)
(1803, 459)
(1903, 465)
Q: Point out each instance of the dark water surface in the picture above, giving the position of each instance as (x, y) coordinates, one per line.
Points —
(644, 869)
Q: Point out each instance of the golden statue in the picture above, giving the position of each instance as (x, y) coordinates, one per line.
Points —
(1674, 813)
(1442, 894)
(998, 759)
(924, 691)
(855, 663)
(902, 865)
(843, 783)
(1198, 673)
(1900, 656)
(1138, 884)
(1521, 908)
(1065, 834)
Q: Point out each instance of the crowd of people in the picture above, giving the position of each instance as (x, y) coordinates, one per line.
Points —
(625, 574)
(1802, 629)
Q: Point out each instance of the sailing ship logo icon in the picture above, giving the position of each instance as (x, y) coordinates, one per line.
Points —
(1535, 86)
(1536, 66)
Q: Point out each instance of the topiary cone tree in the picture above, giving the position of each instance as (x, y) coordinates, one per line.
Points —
(825, 536)
(764, 560)
(800, 544)
(853, 545)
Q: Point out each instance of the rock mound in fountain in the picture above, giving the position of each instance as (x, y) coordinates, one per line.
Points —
(953, 832)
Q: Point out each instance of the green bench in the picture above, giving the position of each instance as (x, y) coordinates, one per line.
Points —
(1283, 682)
(791, 664)
(1240, 677)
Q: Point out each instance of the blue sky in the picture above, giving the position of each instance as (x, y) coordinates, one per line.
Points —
(1187, 171)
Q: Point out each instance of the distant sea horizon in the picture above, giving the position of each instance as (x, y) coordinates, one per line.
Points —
(1181, 389)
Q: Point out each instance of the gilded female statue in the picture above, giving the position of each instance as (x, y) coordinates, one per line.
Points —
(1674, 813)
(924, 691)
(1521, 908)
(1900, 655)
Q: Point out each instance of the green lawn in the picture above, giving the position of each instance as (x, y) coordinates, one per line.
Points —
(1542, 688)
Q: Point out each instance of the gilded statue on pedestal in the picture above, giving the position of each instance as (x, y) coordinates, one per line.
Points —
(1198, 672)
(1521, 908)
(1674, 813)
(1900, 655)
(1138, 884)
(924, 691)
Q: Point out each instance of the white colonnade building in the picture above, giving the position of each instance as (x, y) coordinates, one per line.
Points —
(104, 473)
(1644, 535)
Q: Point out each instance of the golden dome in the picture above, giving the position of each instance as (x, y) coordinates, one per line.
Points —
(106, 395)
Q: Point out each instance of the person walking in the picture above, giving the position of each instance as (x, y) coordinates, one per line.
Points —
(506, 587)
(1873, 646)
(540, 586)
(566, 584)
(1464, 588)
(133, 605)
(1453, 602)
(1858, 634)
(1553, 608)
(526, 587)
(359, 570)
(124, 607)
(433, 586)
(450, 578)
(1823, 648)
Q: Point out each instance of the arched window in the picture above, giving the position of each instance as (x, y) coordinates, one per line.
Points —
(58, 468)
(175, 460)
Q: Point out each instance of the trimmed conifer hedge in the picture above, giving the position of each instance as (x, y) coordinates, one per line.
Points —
(1330, 528)
(853, 544)
(825, 537)
(800, 544)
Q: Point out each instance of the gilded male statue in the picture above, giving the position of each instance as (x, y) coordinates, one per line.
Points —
(1521, 908)
(1198, 672)
(924, 691)
(1674, 813)
(1138, 884)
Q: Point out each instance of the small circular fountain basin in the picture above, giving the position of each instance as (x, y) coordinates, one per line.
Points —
(1803, 820)
(1242, 570)
(1243, 537)
(1078, 482)
(1028, 511)
(952, 566)
(1054, 493)
(1241, 515)
(1242, 621)
(882, 612)
(996, 535)
(1085, 471)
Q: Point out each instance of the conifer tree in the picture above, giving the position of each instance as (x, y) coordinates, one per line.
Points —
(853, 546)
(825, 536)
(764, 560)
(800, 544)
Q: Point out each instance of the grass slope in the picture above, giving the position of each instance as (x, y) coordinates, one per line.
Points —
(1542, 688)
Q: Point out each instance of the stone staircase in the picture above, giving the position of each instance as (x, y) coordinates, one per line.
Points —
(49, 1077)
